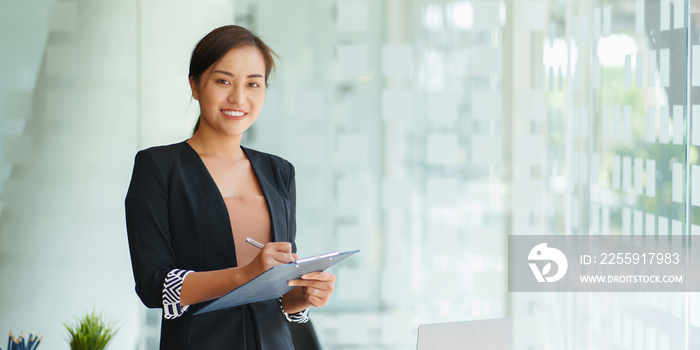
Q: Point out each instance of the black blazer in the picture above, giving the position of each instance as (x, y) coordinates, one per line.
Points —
(177, 218)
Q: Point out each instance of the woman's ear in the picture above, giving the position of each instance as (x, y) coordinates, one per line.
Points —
(193, 86)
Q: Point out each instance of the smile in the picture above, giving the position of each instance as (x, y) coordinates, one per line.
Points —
(233, 113)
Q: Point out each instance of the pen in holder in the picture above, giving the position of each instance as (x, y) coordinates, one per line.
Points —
(20, 343)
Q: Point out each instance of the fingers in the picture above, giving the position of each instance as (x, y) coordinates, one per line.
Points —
(283, 253)
(277, 253)
(316, 286)
(282, 247)
(271, 255)
(309, 278)
(319, 276)
(317, 297)
(316, 301)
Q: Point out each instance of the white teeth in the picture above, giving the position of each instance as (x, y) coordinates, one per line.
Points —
(234, 113)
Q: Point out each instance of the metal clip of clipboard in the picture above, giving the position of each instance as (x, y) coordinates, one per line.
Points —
(316, 257)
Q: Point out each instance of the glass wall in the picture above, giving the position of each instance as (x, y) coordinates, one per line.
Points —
(423, 133)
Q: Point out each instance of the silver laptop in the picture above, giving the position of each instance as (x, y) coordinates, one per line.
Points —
(492, 334)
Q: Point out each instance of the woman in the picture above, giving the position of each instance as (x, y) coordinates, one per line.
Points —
(191, 205)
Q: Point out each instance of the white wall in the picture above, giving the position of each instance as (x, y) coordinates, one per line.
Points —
(111, 77)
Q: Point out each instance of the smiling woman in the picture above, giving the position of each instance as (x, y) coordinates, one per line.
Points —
(233, 89)
(191, 205)
(217, 44)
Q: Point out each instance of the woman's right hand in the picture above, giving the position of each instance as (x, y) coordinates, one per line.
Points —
(208, 285)
(272, 254)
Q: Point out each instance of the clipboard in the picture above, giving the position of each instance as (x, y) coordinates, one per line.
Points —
(272, 283)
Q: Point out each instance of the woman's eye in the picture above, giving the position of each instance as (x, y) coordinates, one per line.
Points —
(253, 84)
(223, 81)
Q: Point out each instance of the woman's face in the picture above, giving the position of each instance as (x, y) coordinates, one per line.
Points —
(231, 92)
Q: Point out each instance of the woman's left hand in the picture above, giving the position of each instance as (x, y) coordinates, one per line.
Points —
(317, 287)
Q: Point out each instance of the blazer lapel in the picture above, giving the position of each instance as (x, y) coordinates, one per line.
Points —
(213, 218)
(275, 203)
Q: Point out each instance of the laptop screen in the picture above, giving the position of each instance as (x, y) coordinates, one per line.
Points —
(491, 334)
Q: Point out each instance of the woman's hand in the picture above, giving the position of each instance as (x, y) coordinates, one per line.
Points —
(317, 287)
(272, 254)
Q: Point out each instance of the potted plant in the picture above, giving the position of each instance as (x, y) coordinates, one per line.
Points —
(91, 332)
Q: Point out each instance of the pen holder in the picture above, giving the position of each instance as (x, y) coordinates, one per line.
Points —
(22, 343)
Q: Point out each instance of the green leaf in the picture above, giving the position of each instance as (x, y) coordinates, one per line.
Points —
(90, 332)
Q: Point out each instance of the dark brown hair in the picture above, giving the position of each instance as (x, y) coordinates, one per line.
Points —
(218, 42)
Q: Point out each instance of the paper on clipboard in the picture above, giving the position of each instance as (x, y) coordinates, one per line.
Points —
(272, 283)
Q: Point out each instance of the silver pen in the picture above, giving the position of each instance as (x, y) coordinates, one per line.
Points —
(258, 244)
(254, 243)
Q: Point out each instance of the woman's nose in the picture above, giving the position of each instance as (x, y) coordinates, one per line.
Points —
(236, 96)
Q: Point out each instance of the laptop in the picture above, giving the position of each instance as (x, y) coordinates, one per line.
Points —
(491, 334)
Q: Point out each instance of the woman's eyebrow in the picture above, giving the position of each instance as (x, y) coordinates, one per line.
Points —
(231, 74)
(223, 72)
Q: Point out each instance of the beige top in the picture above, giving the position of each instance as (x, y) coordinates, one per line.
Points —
(250, 217)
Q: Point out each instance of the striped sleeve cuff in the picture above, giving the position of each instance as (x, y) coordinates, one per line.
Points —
(297, 317)
(171, 294)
